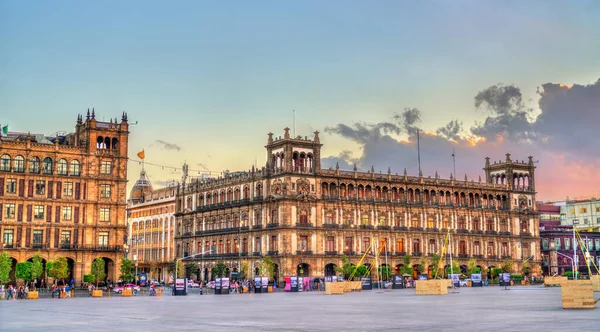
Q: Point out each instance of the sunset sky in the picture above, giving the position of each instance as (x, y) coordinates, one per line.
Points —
(206, 81)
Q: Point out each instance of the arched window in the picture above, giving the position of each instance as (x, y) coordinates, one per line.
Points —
(34, 165)
(62, 167)
(47, 166)
(5, 163)
(75, 168)
(100, 143)
(115, 144)
(19, 164)
(107, 142)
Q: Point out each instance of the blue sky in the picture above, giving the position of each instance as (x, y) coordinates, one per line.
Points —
(215, 77)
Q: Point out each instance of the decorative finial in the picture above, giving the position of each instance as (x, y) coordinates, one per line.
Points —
(451, 177)
(93, 114)
(389, 170)
(317, 140)
(354, 167)
(372, 169)
(480, 179)
(88, 114)
(436, 175)
(466, 177)
(421, 173)
(286, 135)
(405, 172)
(337, 165)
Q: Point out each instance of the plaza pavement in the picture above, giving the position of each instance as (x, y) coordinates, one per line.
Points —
(470, 309)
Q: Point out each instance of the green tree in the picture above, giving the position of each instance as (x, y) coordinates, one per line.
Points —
(471, 267)
(244, 270)
(496, 272)
(58, 269)
(5, 267)
(126, 269)
(23, 271)
(152, 269)
(192, 268)
(507, 266)
(422, 267)
(219, 269)
(37, 267)
(385, 273)
(362, 271)
(98, 273)
(435, 265)
(346, 269)
(454, 269)
(525, 268)
(180, 269)
(266, 268)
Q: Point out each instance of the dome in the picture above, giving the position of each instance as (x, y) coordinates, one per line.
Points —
(141, 187)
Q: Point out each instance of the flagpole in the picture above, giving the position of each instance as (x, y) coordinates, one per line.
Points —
(294, 122)
(454, 161)
(419, 151)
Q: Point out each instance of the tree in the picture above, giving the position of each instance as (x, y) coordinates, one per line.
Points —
(496, 272)
(192, 268)
(98, 273)
(346, 269)
(454, 269)
(58, 269)
(435, 265)
(152, 269)
(525, 268)
(37, 267)
(471, 267)
(126, 269)
(507, 266)
(180, 269)
(219, 269)
(266, 268)
(362, 271)
(23, 271)
(244, 270)
(385, 272)
(422, 267)
(5, 267)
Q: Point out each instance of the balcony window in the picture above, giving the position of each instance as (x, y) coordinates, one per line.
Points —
(105, 214)
(5, 163)
(11, 186)
(19, 164)
(303, 243)
(8, 237)
(37, 236)
(10, 211)
(47, 166)
(38, 212)
(34, 165)
(65, 238)
(63, 167)
(103, 239)
(40, 187)
(75, 168)
(330, 243)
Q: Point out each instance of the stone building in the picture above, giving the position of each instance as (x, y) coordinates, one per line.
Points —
(305, 217)
(583, 212)
(65, 195)
(151, 224)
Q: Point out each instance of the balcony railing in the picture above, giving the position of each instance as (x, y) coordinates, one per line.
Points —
(330, 226)
(304, 252)
(272, 253)
(330, 253)
(257, 227)
(431, 230)
(273, 225)
(416, 229)
(400, 253)
(384, 227)
(462, 231)
(256, 253)
(491, 233)
(526, 234)
(304, 225)
(478, 256)
(417, 254)
(349, 253)
(505, 233)
(367, 227)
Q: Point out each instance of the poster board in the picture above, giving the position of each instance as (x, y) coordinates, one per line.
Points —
(476, 280)
(257, 285)
(180, 287)
(455, 279)
(505, 279)
(300, 284)
(265, 284)
(294, 283)
(366, 283)
(224, 285)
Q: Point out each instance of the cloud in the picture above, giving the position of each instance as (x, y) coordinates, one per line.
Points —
(168, 146)
(562, 137)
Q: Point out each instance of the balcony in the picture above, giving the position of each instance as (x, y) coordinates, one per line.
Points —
(478, 256)
(491, 233)
(366, 227)
(384, 228)
(505, 233)
(431, 230)
(462, 231)
(66, 246)
(304, 252)
(349, 253)
(464, 256)
(304, 225)
(9, 246)
(330, 226)
(257, 227)
(526, 234)
(38, 246)
(416, 229)
(492, 257)
(256, 253)
(417, 254)
(330, 253)
(401, 228)
(480, 232)
(273, 225)
(400, 253)
(506, 257)
(272, 252)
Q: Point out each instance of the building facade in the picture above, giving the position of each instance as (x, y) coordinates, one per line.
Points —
(585, 213)
(151, 228)
(65, 195)
(557, 243)
(305, 217)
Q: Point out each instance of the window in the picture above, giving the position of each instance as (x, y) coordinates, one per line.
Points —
(75, 168)
(38, 212)
(7, 239)
(446, 223)
(5, 163)
(65, 238)
(489, 225)
(103, 239)
(273, 243)
(329, 218)
(10, 211)
(366, 244)
(105, 167)
(349, 245)
(400, 245)
(432, 246)
(545, 244)
(68, 189)
(462, 248)
(416, 246)
(330, 244)
(461, 223)
(504, 226)
(415, 222)
(257, 244)
(62, 167)
(105, 190)
(40, 187)
(504, 249)
(37, 236)
(597, 244)
(582, 210)
(11, 186)
(303, 244)
(430, 222)
(67, 213)
(19, 164)
(303, 218)
(274, 216)
(47, 166)
(104, 214)
(476, 224)
(34, 165)
(491, 249)
(477, 248)
(567, 244)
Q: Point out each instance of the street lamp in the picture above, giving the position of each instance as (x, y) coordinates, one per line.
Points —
(575, 222)
(194, 255)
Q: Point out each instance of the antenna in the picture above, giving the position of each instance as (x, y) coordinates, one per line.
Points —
(294, 122)
(419, 150)
(454, 161)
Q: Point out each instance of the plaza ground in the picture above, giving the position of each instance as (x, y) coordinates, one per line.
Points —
(470, 309)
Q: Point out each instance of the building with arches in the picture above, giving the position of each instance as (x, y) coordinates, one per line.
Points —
(305, 217)
(65, 195)
(151, 225)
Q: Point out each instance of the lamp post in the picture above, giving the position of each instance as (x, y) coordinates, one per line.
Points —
(575, 265)
(194, 255)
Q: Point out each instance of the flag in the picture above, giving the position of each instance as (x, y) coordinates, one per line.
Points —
(5, 130)
(141, 154)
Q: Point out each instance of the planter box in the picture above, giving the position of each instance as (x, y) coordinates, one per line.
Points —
(334, 288)
(577, 294)
(449, 281)
(554, 281)
(352, 286)
(127, 292)
(596, 282)
(33, 295)
(432, 287)
(97, 293)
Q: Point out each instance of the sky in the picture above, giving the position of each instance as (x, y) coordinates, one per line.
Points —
(206, 81)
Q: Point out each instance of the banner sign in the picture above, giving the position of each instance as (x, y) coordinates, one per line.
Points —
(224, 283)
(265, 282)
(180, 284)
